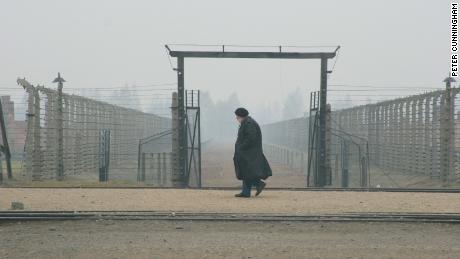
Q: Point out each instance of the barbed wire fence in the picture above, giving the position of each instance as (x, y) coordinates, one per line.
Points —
(415, 136)
(286, 142)
(77, 123)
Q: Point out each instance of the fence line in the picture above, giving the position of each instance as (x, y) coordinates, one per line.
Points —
(415, 135)
(81, 121)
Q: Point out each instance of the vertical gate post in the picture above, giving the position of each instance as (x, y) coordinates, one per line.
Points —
(328, 173)
(322, 125)
(176, 178)
(182, 136)
(199, 139)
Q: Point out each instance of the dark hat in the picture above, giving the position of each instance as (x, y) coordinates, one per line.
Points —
(241, 112)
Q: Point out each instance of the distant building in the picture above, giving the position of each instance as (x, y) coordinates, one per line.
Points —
(16, 130)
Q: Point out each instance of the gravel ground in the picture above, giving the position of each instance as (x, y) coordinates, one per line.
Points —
(187, 200)
(167, 239)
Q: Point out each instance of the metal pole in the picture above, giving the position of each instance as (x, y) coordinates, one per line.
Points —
(322, 124)
(345, 162)
(368, 165)
(164, 170)
(176, 177)
(139, 178)
(182, 138)
(199, 140)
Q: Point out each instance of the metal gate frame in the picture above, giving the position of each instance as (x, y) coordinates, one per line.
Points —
(253, 54)
(313, 139)
(140, 153)
(104, 155)
(193, 139)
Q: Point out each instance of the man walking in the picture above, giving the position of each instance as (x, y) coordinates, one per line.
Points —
(250, 163)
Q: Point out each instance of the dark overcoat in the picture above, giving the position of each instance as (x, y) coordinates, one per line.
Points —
(250, 162)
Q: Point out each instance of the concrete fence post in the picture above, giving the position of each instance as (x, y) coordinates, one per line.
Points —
(177, 178)
(412, 137)
(420, 138)
(427, 142)
(435, 137)
(447, 135)
(30, 129)
(59, 129)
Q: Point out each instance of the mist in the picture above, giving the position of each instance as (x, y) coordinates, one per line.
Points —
(118, 43)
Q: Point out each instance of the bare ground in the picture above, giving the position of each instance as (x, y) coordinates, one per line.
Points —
(188, 200)
(218, 169)
(173, 239)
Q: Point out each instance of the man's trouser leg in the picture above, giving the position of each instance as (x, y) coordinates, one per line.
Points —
(246, 188)
(257, 182)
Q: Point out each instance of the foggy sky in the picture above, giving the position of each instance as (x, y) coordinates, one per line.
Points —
(113, 43)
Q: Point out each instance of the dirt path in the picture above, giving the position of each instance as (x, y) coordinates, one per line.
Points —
(270, 201)
(218, 169)
(160, 239)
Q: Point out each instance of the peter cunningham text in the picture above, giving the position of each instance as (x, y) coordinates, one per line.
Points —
(454, 40)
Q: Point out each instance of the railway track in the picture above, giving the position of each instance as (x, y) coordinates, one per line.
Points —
(452, 218)
(312, 189)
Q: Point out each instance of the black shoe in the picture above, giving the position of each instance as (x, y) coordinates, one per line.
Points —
(240, 195)
(260, 187)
